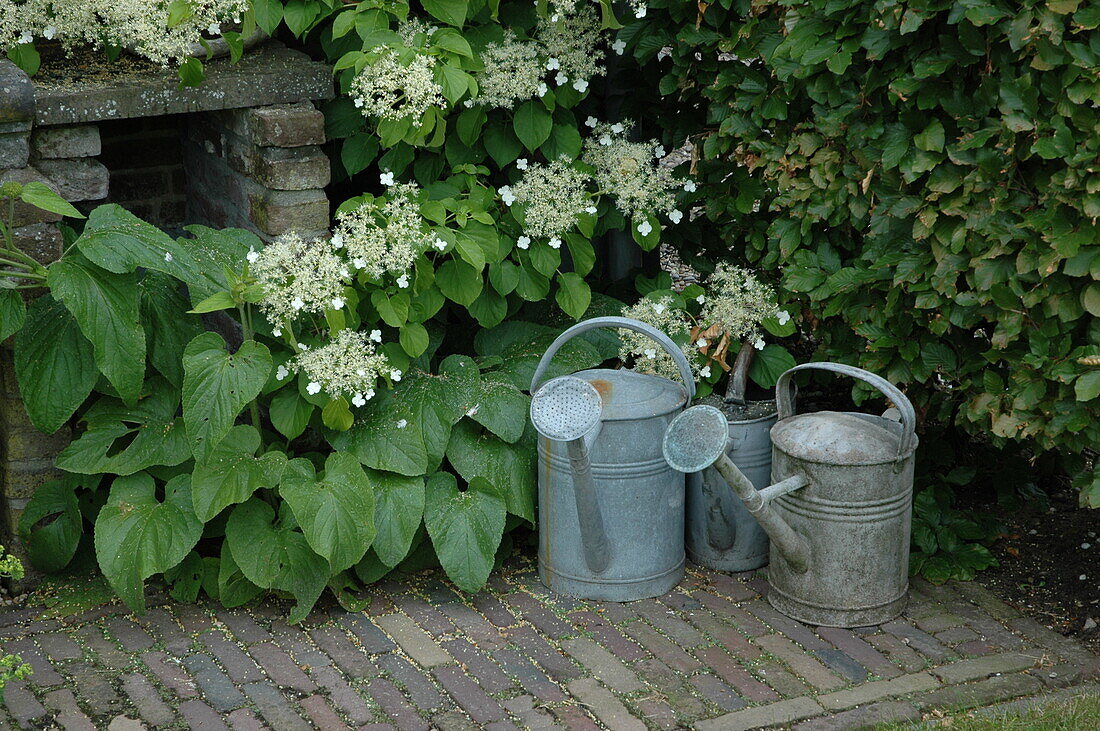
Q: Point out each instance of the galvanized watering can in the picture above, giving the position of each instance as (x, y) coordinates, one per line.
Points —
(720, 532)
(611, 510)
(840, 507)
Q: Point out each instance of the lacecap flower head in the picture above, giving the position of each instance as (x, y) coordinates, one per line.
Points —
(348, 366)
(297, 276)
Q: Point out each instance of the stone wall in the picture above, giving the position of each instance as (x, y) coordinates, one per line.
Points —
(241, 151)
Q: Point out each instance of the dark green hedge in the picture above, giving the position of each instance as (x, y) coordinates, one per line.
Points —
(924, 177)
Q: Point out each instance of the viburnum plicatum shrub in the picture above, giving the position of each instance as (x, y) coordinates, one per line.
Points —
(923, 176)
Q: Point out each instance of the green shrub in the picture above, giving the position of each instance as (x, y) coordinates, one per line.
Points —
(922, 179)
(12, 667)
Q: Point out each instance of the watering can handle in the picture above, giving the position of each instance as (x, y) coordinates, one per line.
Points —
(785, 399)
(627, 324)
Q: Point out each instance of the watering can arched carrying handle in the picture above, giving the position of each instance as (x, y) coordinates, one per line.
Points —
(785, 398)
(627, 324)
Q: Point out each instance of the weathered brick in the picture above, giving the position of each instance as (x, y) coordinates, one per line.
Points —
(469, 694)
(170, 674)
(243, 626)
(321, 714)
(59, 646)
(731, 587)
(890, 712)
(80, 179)
(44, 675)
(533, 680)
(148, 702)
(725, 635)
(416, 643)
(244, 719)
(346, 655)
(474, 626)
(523, 708)
(274, 708)
(795, 631)
(67, 142)
(370, 636)
(96, 690)
(575, 719)
(21, 703)
(604, 705)
(277, 212)
(66, 711)
(301, 168)
(727, 668)
(960, 672)
(216, 685)
(919, 640)
(843, 664)
(778, 677)
(15, 150)
(280, 668)
(717, 692)
(981, 693)
(803, 664)
(609, 636)
(657, 714)
(198, 715)
(878, 690)
(343, 696)
(237, 664)
(539, 616)
(674, 688)
(661, 647)
(394, 705)
(676, 629)
(290, 125)
(550, 658)
(939, 622)
(727, 611)
(898, 652)
(132, 637)
(602, 664)
(427, 617)
(956, 635)
(493, 610)
(477, 663)
(25, 213)
(162, 625)
(418, 687)
(774, 714)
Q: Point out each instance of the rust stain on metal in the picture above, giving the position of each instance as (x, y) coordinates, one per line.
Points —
(604, 388)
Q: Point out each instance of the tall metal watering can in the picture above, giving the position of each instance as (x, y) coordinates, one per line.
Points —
(611, 510)
(839, 509)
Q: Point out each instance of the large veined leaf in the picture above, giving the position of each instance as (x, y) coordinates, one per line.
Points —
(105, 306)
(13, 312)
(51, 524)
(137, 535)
(406, 430)
(398, 509)
(232, 472)
(336, 512)
(290, 413)
(465, 527)
(522, 344)
(212, 251)
(122, 440)
(510, 468)
(168, 327)
(234, 588)
(217, 386)
(500, 407)
(54, 364)
(274, 555)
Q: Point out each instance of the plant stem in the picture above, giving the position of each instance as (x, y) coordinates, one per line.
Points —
(246, 327)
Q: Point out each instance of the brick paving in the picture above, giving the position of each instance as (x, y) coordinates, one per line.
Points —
(710, 655)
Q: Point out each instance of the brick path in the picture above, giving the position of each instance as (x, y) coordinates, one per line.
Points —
(710, 655)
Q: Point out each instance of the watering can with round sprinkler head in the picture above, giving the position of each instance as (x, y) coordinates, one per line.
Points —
(611, 510)
(840, 506)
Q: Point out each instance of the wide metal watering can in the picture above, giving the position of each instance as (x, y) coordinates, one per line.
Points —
(611, 510)
(840, 506)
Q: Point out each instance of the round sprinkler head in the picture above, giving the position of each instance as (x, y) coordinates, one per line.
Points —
(566, 408)
(696, 439)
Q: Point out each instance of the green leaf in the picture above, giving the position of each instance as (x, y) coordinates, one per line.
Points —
(459, 281)
(269, 13)
(509, 468)
(769, 364)
(168, 328)
(500, 407)
(233, 473)
(290, 413)
(573, 294)
(186, 578)
(1087, 386)
(41, 196)
(358, 151)
(336, 512)
(490, 308)
(299, 15)
(273, 555)
(521, 345)
(501, 143)
(234, 588)
(336, 415)
(1090, 298)
(217, 386)
(405, 430)
(105, 306)
(452, 12)
(13, 313)
(394, 311)
(54, 364)
(122, 440)
(414, 339)
(137, 535)
(214, 303)
(532, 124)
(932, 138)
(191, 72)
(51, 524)
(398, 508)
(465, 527)
(26, 57)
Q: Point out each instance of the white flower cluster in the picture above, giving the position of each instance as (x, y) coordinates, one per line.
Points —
(385, 237)
(397, 85)
(630, 171)
(348, 366)
(513, 72)
(571, 40)
(553, 196)
(297, 276)
(737, 302)
(410, 29)
(645, 354)
(140, 26)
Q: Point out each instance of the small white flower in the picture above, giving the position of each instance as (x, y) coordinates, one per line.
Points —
(645, 228)
(521, 164)
(759, 344)
(277, 331)
(783, 317)
(440, 244)
(358, 101)
(560, 78)
(640, 11)
(704, 372)
(281, 373)
(360, 372)
(581, 85)
(168, 256)
(402, 423)
(689, 186)
(618, 128)
(214, 29)
(337, 241)
(591, 209)
(605, 140)
(523, 242)
(659, 151)
(473, 411)
(1082, 577)
(376, 335)
(650, 352)
(395, 375)
(701, 343)
(591, 122)
(369, 394)
(554, 18)
(618, 46)
(555, 243)
(663, 53)
(543, 88)
(303, 347)
(25, 37)
(658, 308)
(403, 281)
(337, 303)
(344, 273)
(313, 388)
(553, 64)
(297, 303)
(675, 216)
(386, 178)
(359, 263)
(701, 299)
(253, 256)
(507, 195)
(358, 400)
(50, 32)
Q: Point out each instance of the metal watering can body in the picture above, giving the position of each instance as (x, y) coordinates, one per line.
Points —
(617, 532)
(840, 506)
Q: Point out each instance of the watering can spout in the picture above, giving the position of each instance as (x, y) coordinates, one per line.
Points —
(697, 439)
